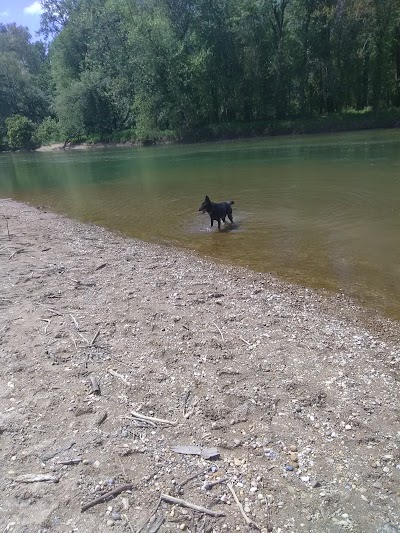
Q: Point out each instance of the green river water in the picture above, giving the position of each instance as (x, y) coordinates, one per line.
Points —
(322, 211)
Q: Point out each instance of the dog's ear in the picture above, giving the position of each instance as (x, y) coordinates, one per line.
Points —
(207, 199)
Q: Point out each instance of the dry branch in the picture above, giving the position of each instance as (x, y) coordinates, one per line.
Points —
(220, 332)
(177, 501)
(139, 416)
(94, 338)
(108, 496)
(248, 520)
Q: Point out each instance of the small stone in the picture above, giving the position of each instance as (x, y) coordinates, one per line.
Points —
(293, 448)
(247, 509)
(237, 462)
(347, 427)
(305, 478)
(316, 485)
(182, 527)
(289, 468)
(110, 523)
(386, 469)
(116, 516)
(377, 485)
(294, 457)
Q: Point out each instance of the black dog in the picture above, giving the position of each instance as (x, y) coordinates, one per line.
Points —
(216, 211)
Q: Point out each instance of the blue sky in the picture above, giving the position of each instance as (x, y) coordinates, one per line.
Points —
(22, 12)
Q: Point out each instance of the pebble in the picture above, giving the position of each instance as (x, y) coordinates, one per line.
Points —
(294, 457)
(116, 516)
(386, 469)
(289, 468)
(347, 427)
(305, 478)
(293, 448)
(377, 485)
(110, 522)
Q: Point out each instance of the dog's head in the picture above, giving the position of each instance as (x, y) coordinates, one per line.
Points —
(205, 206)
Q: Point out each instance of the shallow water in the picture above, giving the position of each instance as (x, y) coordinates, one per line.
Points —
(322, 211)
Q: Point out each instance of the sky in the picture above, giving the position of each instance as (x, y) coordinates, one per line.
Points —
(22, 12)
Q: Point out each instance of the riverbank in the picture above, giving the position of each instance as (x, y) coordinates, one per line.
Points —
(332, 123)
(297, 390)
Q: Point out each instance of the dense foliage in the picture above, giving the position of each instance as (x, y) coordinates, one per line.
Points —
(186, 69)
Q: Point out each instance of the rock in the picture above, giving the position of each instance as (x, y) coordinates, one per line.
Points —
(116, 516)
(289, 468)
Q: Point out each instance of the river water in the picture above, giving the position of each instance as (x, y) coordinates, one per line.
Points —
(322, 211)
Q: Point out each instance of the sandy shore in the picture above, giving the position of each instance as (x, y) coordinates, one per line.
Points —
(297, 390)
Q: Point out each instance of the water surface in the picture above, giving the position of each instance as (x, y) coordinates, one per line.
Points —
(322, 211)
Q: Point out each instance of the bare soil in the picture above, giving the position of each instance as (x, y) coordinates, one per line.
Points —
(297, 390)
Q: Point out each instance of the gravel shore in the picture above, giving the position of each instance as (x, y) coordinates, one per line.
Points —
(295, 391)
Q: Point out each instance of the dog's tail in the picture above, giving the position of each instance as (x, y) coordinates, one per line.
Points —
(231, 202)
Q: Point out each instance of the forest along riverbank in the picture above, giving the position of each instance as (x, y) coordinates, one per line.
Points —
(294, 391)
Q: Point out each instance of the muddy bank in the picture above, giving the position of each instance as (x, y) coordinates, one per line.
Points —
(297, 390)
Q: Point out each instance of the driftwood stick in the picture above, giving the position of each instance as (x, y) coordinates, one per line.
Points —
(177, 501)
(94, 338)
(220, 332)
(108, 496)
(248, 520)
(153, 419)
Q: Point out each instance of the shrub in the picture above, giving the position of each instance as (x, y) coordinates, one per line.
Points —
(20, 133)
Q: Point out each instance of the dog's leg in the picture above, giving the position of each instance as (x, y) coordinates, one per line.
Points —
(219, 223)
(212, 222)
(230, 218)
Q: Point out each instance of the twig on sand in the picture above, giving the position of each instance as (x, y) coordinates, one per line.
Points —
(119, 376)
(47, 325)
(84, 338)
(74, 341)
(151, 516)
(139, 416)
(185, 481)
(248, 520)
(244, 340)
(75, 321)
(16, 252)
(35, 478)
(94, 338)
(210, 484)
(8, 230)
(108, 496)
(220, 332)
(177, 501)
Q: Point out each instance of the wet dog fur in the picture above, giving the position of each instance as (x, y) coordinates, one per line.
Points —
(217, 211)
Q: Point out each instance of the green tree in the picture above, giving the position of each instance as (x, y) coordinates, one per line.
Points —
(20, 133)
